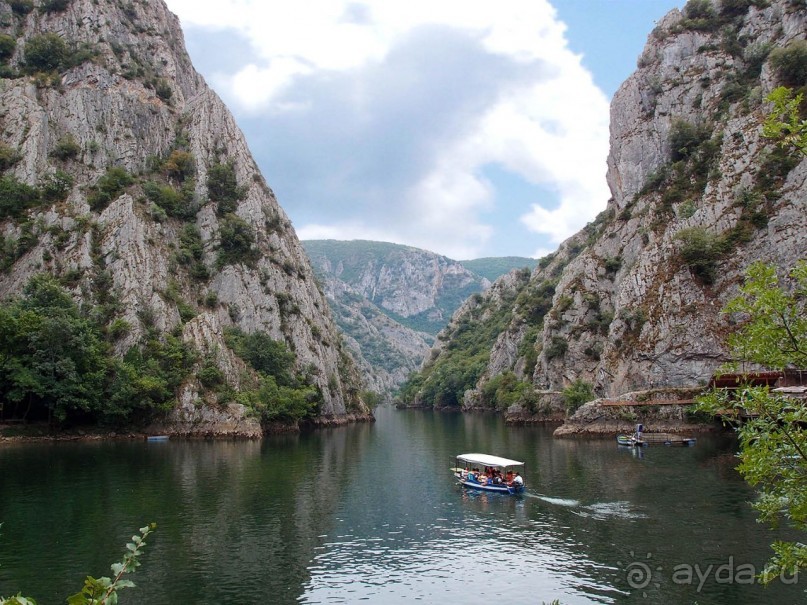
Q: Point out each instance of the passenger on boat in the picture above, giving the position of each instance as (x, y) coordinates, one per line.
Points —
(508, 478)
(518, 481)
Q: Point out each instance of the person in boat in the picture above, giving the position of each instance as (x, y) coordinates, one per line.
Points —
(508, 478)
(518, 481)
(473, 476)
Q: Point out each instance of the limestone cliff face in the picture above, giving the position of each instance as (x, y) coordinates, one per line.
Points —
(134, 97)
(390, 301)
(634, 299)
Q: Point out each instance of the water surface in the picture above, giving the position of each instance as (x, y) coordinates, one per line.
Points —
(368, 513)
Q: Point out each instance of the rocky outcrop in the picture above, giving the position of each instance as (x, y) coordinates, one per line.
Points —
(601, 417)
(127, 98)
(634, 300)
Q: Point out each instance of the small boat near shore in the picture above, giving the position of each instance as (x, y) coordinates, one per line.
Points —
(644, 439)
(489, 473)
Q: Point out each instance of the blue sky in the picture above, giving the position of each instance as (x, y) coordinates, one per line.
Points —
(458, 126)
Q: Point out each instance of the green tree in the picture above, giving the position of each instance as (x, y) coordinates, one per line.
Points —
(51, 357)
(576, 394)
(772, 334)
(45, 52)
(785, 124)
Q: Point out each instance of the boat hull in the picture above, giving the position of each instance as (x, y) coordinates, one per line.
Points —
(497, 489)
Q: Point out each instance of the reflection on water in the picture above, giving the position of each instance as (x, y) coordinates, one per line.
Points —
(370, 512)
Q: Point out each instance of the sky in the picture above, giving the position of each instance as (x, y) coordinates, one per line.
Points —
(469, 128)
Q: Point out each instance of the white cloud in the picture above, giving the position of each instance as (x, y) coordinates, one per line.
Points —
(550, 126)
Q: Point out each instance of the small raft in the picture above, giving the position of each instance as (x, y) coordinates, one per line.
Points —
(654, 439)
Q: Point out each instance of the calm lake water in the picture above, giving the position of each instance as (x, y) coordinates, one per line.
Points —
(369, 513)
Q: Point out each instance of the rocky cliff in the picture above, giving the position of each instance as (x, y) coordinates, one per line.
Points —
(633, 301)
(147, 195)
(390, 301)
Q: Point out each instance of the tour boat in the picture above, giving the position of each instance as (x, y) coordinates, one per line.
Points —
(489, 473)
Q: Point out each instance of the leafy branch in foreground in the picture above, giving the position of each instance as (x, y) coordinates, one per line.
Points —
(773, 441)
(785, 123)
(104, 590)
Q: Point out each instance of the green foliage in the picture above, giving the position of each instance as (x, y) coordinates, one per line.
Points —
(444, 380)
(784, 124)
(180, 165)
(280, 395)
(790, 63)
(277, 403)
(612, 265)
(54, 359)
(8, 44)
(149, 375)
(734, 8)
(191, 252)
(54, 6)
(21, 7)
(56, 187)
(55, 362)
(264, 354)
(210, 375)
(163, 89)
(104, 590)
(576, 394)
(237, 242)
(66, 148)
(685, 138)
(222, 188)
(178, 204)
(505, 390)
(8, 157)
(773, 334)
(16, 197)
(700, 15)
(46, 52)
(694, 155)
(557, 347)
(700, 251)
(109, 187)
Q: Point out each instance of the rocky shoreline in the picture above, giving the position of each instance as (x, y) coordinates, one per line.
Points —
(655, 409)
(223, 424)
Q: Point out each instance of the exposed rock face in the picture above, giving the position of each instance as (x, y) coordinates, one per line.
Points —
(137, 99)
(688, 165)
(390, 301)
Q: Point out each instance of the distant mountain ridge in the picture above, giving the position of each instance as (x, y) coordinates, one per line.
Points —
(493, 267)
(391, 300)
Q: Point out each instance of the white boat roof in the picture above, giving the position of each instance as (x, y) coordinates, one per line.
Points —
(488, 460)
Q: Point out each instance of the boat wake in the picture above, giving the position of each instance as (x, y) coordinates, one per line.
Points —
(598, 510)
(567, 502)
(611, 510)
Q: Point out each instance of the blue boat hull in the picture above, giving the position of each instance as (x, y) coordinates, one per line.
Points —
(498, 489)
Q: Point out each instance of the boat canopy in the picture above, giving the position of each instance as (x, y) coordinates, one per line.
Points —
(488, 460)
